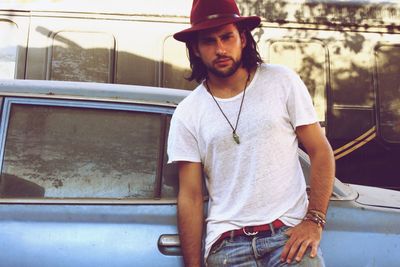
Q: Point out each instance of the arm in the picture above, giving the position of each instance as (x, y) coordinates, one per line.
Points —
(190, 212)
(322, 172)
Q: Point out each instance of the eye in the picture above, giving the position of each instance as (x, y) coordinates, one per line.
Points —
(207, 41)
(226, 37)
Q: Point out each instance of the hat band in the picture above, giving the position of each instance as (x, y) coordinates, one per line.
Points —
(216, 16)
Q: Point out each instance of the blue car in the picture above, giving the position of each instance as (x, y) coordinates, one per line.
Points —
(84, 182)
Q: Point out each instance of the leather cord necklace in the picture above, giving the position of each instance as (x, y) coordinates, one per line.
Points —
(234, 134)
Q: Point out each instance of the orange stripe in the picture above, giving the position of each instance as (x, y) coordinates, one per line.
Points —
(360, 144)
(355, 141)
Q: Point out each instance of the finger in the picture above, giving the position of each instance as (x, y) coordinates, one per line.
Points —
(293, 250)
(303, 248)
(314, 250)
(289, 232)
(285, 251)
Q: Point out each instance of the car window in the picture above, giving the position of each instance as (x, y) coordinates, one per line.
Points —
(170, 182)
(74, 55)
(78, 152)
(8, 49)
(388, 78)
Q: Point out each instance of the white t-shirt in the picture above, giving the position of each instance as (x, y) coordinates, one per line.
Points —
(260, 179)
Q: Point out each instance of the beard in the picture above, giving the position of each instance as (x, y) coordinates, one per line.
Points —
(227, 73)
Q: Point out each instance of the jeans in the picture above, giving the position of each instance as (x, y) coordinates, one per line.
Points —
(263, 249)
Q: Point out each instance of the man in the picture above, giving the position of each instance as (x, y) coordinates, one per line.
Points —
(240, 128)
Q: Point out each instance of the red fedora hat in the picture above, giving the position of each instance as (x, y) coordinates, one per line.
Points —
(208, 14)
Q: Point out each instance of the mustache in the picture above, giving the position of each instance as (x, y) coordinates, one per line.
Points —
(221, 58)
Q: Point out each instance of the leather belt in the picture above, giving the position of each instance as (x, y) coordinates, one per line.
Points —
(250, 231)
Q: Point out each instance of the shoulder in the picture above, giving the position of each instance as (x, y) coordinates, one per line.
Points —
(280, 80)
(276, 70)
(280, 76)
(190, 103)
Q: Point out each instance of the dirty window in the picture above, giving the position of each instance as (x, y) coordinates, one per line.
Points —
(71, 152)
(175, 65)
(388, 68)
(351, 83)
(170, 180)
(8, 49)
(308, 59)
(82, 56)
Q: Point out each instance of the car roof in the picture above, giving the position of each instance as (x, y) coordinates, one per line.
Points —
(93, 91)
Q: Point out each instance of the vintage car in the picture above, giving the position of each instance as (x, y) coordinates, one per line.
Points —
(84, 182)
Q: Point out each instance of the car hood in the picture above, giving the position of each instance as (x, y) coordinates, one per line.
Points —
(379, 197)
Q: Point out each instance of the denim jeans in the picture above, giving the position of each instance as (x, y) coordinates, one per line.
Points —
(263, 249)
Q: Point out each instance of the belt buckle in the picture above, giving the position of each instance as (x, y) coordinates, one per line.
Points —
(249, 233)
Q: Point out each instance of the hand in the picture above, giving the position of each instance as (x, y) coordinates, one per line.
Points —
(301, 237)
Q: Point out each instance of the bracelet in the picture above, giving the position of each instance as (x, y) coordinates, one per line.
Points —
(318, 213)
(315, 218)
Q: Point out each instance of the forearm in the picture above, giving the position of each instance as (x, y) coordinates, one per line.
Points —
(322, 175)
(190, 221)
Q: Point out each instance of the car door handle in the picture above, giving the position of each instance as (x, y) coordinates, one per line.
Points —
(169, 245)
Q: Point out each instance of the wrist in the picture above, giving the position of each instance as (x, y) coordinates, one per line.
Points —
(317, 212)
(316, 217)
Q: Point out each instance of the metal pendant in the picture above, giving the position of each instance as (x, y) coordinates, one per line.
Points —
(236, 137)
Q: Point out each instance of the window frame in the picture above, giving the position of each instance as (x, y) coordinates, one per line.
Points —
(378, 93)
(164, 113)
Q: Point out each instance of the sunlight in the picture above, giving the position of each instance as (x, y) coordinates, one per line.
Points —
(155, 7)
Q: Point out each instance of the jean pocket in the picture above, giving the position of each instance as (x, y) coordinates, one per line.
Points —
(215, 258)
(217, 247)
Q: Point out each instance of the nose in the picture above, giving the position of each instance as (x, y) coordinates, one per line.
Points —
(220, 48)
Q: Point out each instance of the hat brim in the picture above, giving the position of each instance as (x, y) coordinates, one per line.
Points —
(187, 34)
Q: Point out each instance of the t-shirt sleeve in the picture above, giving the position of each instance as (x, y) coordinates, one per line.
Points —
(182, 144)
(299, 103)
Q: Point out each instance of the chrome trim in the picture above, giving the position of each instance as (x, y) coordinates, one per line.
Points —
(87, 104)
(169, 240)
(83, 98)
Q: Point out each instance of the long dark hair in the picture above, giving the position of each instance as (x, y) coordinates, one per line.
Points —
(250, 56)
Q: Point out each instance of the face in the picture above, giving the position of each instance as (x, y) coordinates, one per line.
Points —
(220, 49)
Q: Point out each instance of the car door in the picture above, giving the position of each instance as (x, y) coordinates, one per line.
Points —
(82, 184)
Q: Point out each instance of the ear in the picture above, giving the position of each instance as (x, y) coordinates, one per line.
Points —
(243, 39)
(196, 53)
(195, 50)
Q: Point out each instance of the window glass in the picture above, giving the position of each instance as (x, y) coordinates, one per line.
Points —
(70, 152)
(176, 65)
(308, 60)
(388, 68)
(8, 49)
(82, 56)
(170, 181)
(350, 71)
